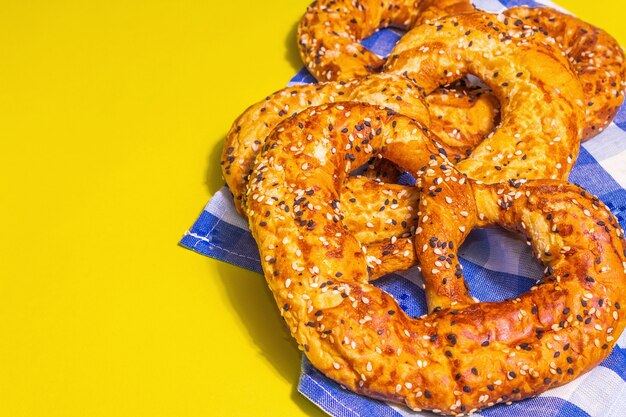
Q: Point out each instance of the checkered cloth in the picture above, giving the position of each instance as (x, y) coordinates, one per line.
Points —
(497, 266)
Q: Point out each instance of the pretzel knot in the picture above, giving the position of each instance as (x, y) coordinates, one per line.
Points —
(464, 355)
(537, 138)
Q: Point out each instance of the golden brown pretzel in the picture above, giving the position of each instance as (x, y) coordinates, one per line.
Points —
(330, 32)
(596, 56)
(455, 360)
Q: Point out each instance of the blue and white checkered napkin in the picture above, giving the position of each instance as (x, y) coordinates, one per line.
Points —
(497, 266)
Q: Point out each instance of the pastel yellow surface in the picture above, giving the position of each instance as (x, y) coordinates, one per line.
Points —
(112, 117)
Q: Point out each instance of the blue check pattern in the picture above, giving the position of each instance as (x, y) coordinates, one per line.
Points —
(497, 266)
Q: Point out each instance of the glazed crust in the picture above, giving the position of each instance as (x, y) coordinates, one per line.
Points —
(466, 355)
(596, 56)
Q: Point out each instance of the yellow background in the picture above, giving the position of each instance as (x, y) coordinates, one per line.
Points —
(112, 117)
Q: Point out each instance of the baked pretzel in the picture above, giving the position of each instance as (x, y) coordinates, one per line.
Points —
(596, 56)
(458, 359)
(329, 45)
(464, 126)
(330, 32)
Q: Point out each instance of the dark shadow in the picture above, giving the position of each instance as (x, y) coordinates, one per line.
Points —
(292, 54)
(213, 175)
(251, 298)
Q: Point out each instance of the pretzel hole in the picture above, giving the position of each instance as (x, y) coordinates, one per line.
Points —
(509, 265)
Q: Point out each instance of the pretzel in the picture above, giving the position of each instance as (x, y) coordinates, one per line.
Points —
(460, 131)
(596, 56)
(330, 31)
(329, 45)
(464, 355)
